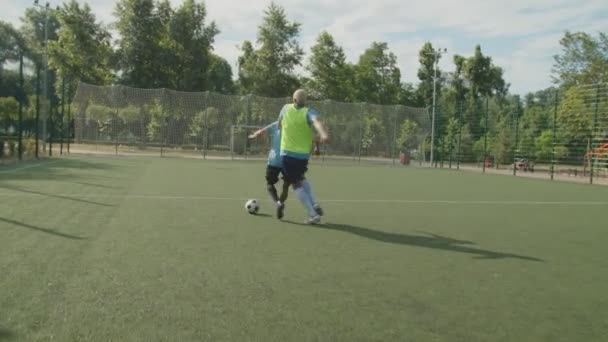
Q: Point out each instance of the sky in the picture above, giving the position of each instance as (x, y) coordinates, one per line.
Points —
(521, 36)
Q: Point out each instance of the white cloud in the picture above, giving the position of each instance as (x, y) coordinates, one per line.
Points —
(530, 29)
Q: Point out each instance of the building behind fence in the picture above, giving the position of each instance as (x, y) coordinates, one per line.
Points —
(567, 137)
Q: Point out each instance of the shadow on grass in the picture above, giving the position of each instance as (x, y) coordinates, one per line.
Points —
(6, 335)
(40, 229)
(55, 169)
(14, 188)
(98, 185)
(431, 241)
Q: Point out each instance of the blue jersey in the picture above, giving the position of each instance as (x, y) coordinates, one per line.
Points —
(274, 156)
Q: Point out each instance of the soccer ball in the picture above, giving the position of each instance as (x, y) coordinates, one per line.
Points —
(252, 206)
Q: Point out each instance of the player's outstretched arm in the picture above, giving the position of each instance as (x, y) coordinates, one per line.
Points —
(260, 131)
(320, 129)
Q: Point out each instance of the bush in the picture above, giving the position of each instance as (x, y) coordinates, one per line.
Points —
(12, 149)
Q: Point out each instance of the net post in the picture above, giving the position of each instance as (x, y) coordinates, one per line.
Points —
(554, 136)
(485, 136)
(37, 125)
(70, 121)
(206, 124)
(516, 143)
(162, 120)
(115, 111)
(20, 125)
(62, 114)
(232, 142)
(459, 108)
(593, 130)
(360, 131)
(248, 120)
(394, 140)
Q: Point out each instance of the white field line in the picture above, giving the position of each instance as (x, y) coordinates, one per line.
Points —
(31, 166)
(380, 201)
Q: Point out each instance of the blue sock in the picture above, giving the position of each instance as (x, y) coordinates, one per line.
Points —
(305, 199)
(308, 189)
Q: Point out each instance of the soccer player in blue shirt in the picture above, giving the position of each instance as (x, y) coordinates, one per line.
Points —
(274, 167)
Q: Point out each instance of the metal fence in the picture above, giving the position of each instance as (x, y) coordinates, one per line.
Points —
(124, 120)
(563, 135)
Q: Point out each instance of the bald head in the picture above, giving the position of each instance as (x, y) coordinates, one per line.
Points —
(299, 97)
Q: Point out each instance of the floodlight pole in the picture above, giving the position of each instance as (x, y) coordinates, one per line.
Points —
(437, 55)
(46, 70)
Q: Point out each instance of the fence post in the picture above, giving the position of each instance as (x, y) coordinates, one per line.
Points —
(248, 120)
(37, 133)
(593, 144)
(485, 136)
(554, 136)
(394, 142)
(162, 121)
(113, 90)
(20, 126)
(516, 144)
(206, 130)
(62, 114)
(459, 109)
(70, 122)
(360, 130)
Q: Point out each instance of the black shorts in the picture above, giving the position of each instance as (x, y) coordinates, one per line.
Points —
(294, 169)
(272, 174)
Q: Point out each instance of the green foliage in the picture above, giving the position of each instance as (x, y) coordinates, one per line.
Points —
(158, 121)
(373, 130)
(82, 50)
(268, 70)
(478, 147)
(544, 145)
(331, 77)
(449, 140)
(485, 78)
(378, 78)
(408, 135)
(9, 111)
(583, 59)
(426, 72)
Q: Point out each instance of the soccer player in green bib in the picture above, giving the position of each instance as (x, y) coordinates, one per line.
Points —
(296, 122)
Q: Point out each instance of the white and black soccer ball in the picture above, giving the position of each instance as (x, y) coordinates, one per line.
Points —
(252, 206)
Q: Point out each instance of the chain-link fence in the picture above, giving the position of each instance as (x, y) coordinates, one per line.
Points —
(124, 120)
(557, 134)
(562, 134)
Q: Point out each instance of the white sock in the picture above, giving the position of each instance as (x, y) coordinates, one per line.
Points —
(308, 189)
(305, 199)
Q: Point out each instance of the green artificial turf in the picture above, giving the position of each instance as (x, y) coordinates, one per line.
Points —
(151, 249)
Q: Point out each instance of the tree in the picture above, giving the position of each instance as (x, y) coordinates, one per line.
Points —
(331, 76)
(142, 59)
(426, 72)
(485, 78)
(268, 70)
(583, 60)
(82, 51)
(544, 145)
(378, 79)
(408, 135)
(220, 75)
(190, 41)
(8, 112)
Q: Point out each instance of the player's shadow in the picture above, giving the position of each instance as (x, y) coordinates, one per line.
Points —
(6, 335)
(432, 241)
(40, 229)
(63, 197)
